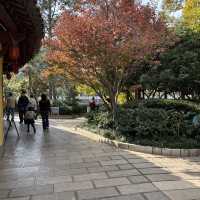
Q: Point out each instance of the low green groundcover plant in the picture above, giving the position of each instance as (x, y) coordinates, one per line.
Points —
(162, 123)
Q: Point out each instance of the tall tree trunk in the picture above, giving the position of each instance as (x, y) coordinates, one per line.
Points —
(113, 98)
(50, 90)
(143, 94)
(30, 82)
(165, 95)
(49, 19)
(54, 92)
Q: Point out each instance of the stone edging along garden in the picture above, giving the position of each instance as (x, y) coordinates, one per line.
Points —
(137, 148)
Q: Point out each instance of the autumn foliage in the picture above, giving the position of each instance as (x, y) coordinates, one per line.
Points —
(191, 15)
(101, 43)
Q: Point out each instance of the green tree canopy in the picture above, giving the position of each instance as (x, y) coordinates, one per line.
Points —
(178, 70)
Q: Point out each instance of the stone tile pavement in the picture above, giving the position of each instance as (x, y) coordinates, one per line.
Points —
(60, 165)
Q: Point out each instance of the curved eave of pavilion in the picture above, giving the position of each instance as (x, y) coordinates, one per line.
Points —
(21, 26)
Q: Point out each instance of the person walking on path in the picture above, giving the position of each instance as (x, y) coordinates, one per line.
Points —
(32, 103)
(22, 106)
(10, 106)
(30, 119)
(45, 109)
(92, 104)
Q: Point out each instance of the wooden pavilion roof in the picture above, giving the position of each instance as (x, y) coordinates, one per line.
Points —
(21, 27)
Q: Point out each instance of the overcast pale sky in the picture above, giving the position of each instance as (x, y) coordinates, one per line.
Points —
(158, 4)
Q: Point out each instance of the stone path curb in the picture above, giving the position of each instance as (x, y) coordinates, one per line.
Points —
(137, 148)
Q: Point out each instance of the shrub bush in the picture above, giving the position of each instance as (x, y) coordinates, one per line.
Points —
(167, 104)
(101, 119)
(79, 109)
(151, 123)
(178, 105)
(154, 123)
(65, 110)
(70, 110)
(127, 122)
(58, 103)
(159, 123)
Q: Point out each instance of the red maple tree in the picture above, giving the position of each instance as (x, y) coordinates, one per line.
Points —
(101, 43)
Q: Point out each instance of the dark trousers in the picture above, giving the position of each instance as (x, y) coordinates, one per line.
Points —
(32, 123)
(45, 120)
(10, 111)
(21, 115)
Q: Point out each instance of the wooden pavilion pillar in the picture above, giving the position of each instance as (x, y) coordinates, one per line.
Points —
(1, 98)
(20, 39)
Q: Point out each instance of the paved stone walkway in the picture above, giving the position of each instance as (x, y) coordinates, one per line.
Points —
(63, 166)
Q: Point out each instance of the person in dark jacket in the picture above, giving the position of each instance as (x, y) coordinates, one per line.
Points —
(92, 104)
(22, 106)
(45, 109)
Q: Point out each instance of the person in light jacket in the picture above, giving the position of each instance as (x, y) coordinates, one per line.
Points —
(32, 103)
(10, 106)
(30, 119)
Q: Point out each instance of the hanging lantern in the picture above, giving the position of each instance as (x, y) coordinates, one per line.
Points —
(14, 53)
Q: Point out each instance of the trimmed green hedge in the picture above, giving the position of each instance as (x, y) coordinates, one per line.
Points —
(165, 123)
(167, 104)
(70, 110)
